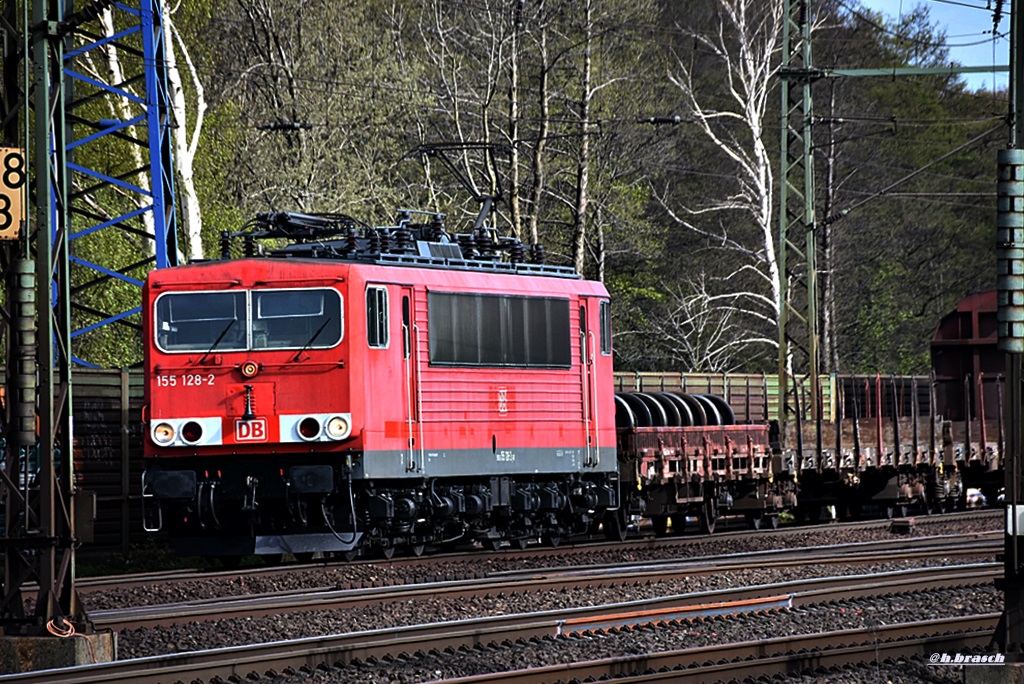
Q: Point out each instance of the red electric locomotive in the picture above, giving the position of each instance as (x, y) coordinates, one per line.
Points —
(368, 388)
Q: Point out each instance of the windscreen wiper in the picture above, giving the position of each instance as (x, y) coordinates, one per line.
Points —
(311, 340)
(218, 340)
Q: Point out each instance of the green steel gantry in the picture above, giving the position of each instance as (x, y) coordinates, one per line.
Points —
(66, 181)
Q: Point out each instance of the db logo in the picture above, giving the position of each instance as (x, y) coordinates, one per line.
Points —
(251, 430)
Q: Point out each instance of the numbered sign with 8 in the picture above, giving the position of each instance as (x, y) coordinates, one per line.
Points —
(12, 189)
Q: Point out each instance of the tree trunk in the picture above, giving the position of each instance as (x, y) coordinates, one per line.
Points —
(185, 146)
(544, 100)
(583, 161)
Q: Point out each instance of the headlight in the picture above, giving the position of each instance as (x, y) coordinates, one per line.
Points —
(337, 428)
(163, 433)
(249, 369)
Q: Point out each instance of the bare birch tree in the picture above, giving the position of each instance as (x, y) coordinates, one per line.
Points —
(742, 48)
(186, 143)
(538, 168)
(580, 215)
(698, 332)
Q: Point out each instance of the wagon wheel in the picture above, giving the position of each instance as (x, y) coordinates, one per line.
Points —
(809, 514)
(491, 544)
(388, 552)
(350, 555)
(678, 523)
(659, 523)
(551, 538)
(520, 543)
(755, 520)
(417, 549)
(614, 525)
(773, 520)
(303, 557)
(708, 514)
(800, 515)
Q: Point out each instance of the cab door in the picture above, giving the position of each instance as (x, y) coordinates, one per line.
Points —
(588, 379)
(413, 402)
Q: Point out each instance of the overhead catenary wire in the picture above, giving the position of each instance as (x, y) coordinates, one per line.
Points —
(916, 172)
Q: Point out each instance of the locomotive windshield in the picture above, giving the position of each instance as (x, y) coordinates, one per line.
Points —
(248, 320)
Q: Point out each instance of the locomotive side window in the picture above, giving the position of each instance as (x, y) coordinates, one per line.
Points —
(606, 328)
(284, 319)
(195, 321)
(406, 328)
(377, 317)
(498, 330)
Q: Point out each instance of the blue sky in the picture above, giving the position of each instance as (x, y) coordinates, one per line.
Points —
(968, 26)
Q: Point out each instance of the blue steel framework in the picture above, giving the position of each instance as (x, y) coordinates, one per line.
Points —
(145, 126)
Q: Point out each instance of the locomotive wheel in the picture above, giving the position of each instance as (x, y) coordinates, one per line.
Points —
(614, 525)
(521, 543)
(551, 538)
(349, 556)
(273, 559)
(492, 544)
(659, 523)
(231, 562)
(304, 557)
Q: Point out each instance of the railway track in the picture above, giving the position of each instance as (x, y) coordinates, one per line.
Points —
(779, 657)
(551, 580)
(385, 645)
(428, 568)
(770, 656)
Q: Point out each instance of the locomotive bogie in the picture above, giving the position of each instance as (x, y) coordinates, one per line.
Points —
(321, 508)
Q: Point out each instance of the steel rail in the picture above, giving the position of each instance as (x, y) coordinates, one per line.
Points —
(965, 544)
(257, 606)
(86, 585)
(784, 656)
(254, 661)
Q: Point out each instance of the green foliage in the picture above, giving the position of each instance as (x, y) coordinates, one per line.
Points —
(214, 177)
(886, 323)
(317, 105)
(920, 235)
